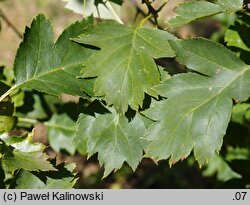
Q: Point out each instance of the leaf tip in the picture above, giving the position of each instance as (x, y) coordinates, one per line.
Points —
(172, 162)
(183, 157)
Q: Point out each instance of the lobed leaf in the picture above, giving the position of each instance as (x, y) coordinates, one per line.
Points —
(220, 167)
(230, 5)
(240, 113)
(125, 68)
(194, 10)
(7, 123)
(236, 37)
(21, 153)
(114, 138)
(3, 88)
(52, 68)
(64, 178)
(60, 132)
(196, 114)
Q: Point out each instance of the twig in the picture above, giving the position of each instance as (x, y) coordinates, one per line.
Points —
(11, 25)
(139, 10)
(145, 15)
(27, 120)
(151, 11)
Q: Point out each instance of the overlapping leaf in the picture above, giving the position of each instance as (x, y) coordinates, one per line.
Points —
(226, 168)
(114, 138)
(220, 167)
(196, 114)
(36, 170)
(241, 113)
(64, 178)
(237, 37)
(21, 153)
(42, 65)
(191, 11)
(7, 121)
(60, 132)
(124, 67)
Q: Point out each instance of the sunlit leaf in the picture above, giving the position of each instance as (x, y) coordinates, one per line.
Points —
(125, 68)
(52, 68)
(197, 110)
(21, 153)
(194, 10)
(220, 167)
(114, 138)
(64, 178)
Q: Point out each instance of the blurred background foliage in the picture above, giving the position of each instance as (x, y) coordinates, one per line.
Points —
(54, 119)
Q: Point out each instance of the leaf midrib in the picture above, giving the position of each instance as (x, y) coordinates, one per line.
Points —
(39, 50)
(62, 68)
(209, 99)
(223, 88)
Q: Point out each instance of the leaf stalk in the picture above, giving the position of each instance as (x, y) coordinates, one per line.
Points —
(8, 92)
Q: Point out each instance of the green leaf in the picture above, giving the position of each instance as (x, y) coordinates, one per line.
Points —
(191, 11)
(27, 180)
(114, 138)
(52, 68)
(229, 72)
(237, 153)
(37, 113)
(21, 153)
(223, 170)
(230, 5)
(7, 123)
(64, 178)
(236, 35)
(6, 106)
(239, 113)
(233, 38)
(125, 68)
(61, 130)
(196, 114)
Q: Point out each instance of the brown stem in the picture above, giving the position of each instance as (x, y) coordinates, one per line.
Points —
(11, 25)
(139, 10)
(151, 10)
